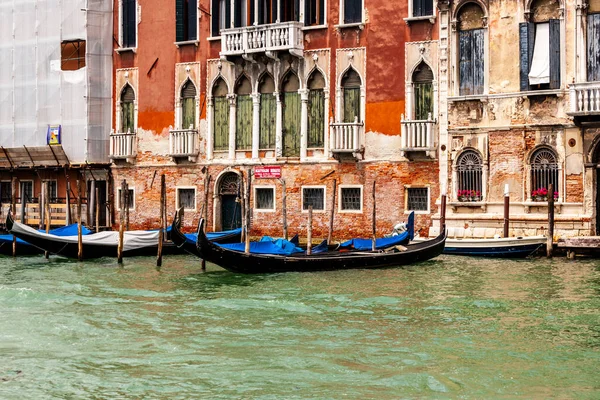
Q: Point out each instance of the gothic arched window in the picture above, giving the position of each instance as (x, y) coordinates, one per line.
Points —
(469, 166)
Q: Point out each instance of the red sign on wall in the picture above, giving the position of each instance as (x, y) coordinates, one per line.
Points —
(272, 172)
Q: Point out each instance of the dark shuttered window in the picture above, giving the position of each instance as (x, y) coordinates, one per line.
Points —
(129, 21)
(186, 13)
(422, 8)
(127, 110)
(314, 12)
(554, 54)
(471, 61)
(186, 198)
(352, 11)
(593, 47)
(268, 107)
(527, 43)
(188, 104)
(220, 16)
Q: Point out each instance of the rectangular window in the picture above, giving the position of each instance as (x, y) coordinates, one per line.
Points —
(26, 191)
(422, 8)
(313, 196)
(72, 55)
(352, 11)
(52, 188)
(267, 11)
(539, 53)
(351, 198)
(186, 198)
(417, 199)
(130, 200)
(264, 198)
(5, 192)
(471, 65)
(186, 14)
(129, 23)
(314, 12)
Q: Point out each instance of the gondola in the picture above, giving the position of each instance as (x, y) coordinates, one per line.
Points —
(95, 245)
(512, 247)
(25, 249)
(187, 241)
(248, 263)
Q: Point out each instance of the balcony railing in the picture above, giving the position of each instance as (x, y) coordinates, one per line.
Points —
(585, 98)
(417, 135)
(123, 145)
(183, 143)
(345, 137)
(263, 39)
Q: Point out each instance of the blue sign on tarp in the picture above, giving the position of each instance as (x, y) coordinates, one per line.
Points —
(53, 135)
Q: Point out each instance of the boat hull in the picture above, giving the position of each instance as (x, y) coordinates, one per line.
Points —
(518, 247)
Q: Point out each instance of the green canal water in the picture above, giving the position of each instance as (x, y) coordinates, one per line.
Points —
(449, 328)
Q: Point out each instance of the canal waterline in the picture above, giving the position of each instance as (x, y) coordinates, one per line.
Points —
(447, 328)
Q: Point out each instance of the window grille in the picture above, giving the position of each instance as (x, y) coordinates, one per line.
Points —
(350, 199)
(544, 170)
(27, 191)
(229, 184)
(265, 199)
(470, 170)
(314, 197)
(418, 199)
(186, 198)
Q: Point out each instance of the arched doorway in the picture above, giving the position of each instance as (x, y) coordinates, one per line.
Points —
(231, 212)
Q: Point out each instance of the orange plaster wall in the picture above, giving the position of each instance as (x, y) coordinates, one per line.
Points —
(384, 117)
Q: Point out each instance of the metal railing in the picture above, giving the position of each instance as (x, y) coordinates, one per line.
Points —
(123, 145)
(345, 136)
(417, 134)
(585, 97)
(183, 142)
(262, 38)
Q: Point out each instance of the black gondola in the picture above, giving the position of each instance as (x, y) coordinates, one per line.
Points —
(241, 262)
(187, 242)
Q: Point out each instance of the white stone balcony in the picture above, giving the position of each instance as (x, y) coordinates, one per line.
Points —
(345, 138)
(183, 143)
(266, 39)
(418, 136)
(584, 98)
(123, 146)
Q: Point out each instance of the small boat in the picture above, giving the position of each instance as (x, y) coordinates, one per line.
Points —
(25, 249)
(512, 247)
(95, 245)
(249, 263)
(187, 241)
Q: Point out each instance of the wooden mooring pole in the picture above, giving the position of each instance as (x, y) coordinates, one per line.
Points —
(506, 210)
(374, 239)
(443, 212)
(550, 241)
(121, 221)
(247, 209)
(47, 215)
(14, 212)
(79, 237)
(163, 195)
(309, 232)
(68, 199)
(284, 209)
(127, 203)
(97, 202)
(332, 213)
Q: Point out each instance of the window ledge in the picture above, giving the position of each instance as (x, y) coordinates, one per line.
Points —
(126, 50)
(473, 97)
(349, 211)
(359, 25)
(529, 204)
(186, 42)
(546, 92)
(430, 18)
(214, 39)
(314, 27)
(471, 204)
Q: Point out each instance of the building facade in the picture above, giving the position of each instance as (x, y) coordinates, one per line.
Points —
(305, 96)
(55, 96)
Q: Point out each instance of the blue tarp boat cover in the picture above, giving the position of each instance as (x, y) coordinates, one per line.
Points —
(382, 243)
(278, 246)
(192, 237)
(69, 230)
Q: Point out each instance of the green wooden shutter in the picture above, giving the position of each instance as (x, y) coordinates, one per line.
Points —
(526, 44)
(243, 133)
(291, 124)
(268, 109)
(423, 94)
(189, 113)
(192, 20)
(127, 117)
(316, 118)
(554, 32)
(221, 123)
(351, 104)
(179, 20)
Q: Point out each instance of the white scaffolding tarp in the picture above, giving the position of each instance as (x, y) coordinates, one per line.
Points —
(35, 92)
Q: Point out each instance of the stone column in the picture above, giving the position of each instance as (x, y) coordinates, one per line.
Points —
(210, 128)
(255, 124)
(278, 127)
(303, 123)
(232, 120)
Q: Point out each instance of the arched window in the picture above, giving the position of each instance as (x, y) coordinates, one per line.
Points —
(127, 109)
(471, 49)
(221, 115)
(351, 86)
(243, 117)
(188, 104)
(469, 168)
(544, 171)
(291, 115)
(268, 112)
(423, 91)
(316, 109)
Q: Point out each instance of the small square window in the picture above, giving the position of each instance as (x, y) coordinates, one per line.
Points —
(186, 198)
(417, 199)
(350, 198)
(313, 196)
(131, 199)
(264, 199)
(72, 55)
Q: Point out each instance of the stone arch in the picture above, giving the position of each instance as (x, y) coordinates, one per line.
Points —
(243, 85)
(316, 80)
(314, 70)
(349, 69)
(531, 6)
(471, 15)
(265, 83)
(223, 194)
(417, 65)
(290, 81)
(217, 82)
(461, 4)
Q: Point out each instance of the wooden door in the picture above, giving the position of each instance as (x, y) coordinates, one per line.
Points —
(423, 100)
(221, 123)
(291, 124)
(231, 213)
